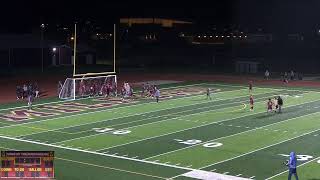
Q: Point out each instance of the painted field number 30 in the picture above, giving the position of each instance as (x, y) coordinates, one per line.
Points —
(196, 141)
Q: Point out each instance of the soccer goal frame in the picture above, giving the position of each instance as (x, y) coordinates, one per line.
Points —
(71, 87)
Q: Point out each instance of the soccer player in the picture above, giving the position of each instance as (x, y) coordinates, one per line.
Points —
(280, 103)
(266, 75)
(292, 164)
(275, 104)
(251, 103)
(209, 93)
(143, 89)
(250, 86)
(269, 105)
(30, 98)
(157, 94)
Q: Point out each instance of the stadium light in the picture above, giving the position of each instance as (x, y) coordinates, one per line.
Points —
(54, 49)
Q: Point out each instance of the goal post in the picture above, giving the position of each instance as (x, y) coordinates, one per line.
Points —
(75, 88)
(75, 60)
(88, 84)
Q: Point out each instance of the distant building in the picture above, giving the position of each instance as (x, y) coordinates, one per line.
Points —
(28, 50)
(168, 23)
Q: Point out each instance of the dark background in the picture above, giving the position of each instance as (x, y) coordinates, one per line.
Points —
(279, 18)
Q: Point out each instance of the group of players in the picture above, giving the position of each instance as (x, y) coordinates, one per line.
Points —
(150, 90)
(26, 90)
(273, 105)
(96, 88)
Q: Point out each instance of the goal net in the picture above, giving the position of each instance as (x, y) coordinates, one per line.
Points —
(75, 88)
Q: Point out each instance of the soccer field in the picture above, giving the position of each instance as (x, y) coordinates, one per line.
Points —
(184, 136)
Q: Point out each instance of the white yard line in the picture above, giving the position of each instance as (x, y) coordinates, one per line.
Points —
(98, 166)
(224, 137)
(144, 114)
(204, 83)
(112, 109)
(259, 149)
(95, 153)
(168, 119)
(315, 159)
(217, 122)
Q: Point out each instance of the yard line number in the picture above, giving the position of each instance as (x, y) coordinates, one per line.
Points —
(299, 157)
(196, 141)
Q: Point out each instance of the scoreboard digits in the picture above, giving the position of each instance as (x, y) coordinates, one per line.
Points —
(27, 164)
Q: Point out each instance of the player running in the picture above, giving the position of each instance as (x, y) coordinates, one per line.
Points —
(251, 103)
(209, 94)
(275, 104)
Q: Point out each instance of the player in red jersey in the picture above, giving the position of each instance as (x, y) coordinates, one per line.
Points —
(269, 105)
(251, 103)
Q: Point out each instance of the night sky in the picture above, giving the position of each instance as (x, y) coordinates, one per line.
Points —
(272, 15)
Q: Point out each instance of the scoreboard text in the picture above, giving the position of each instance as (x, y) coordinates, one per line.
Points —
(27, 164)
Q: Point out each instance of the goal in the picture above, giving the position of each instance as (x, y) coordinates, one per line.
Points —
(75, 88)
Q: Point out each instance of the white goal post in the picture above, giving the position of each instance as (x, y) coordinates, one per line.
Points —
(75, 88)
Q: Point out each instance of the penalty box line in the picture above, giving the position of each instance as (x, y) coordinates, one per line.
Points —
(98, 166)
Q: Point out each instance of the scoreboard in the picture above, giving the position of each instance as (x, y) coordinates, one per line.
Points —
(27, 164)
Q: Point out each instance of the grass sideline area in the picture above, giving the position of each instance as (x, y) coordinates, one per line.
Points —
(184, 136)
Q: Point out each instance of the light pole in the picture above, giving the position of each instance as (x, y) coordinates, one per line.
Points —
(42, 27)
(54, 59)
